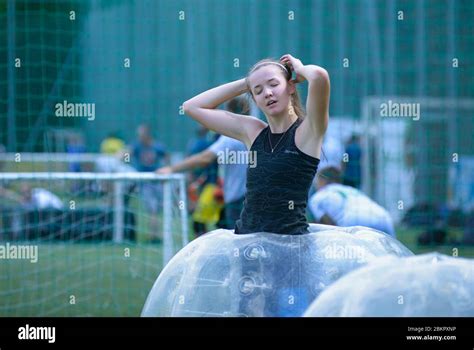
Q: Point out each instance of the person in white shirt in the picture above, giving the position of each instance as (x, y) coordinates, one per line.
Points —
(39, 198)
(232, 155)
(332, 154)
(340, 205)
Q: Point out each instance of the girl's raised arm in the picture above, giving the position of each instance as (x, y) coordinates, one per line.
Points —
(317, 102)
(202, 108)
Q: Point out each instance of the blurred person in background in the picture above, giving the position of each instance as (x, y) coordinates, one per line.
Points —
(205, 191)
(112, 144)
(199, 143)
(147, 154)
(235, 173)
(39, 198)
(200, 175)
(340, 205)
(112, 159)
(332, 152)
(5, 193)
(352, 168)
(75, 145)
(30, 197)
(23, 200)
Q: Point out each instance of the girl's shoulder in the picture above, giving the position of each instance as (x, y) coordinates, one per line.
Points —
(256, 130)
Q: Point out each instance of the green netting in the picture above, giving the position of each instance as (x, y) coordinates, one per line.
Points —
(172, 59)
(137, 61)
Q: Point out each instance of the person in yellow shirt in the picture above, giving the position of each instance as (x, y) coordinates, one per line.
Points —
(112, 144)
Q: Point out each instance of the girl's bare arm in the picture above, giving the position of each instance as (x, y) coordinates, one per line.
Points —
(202, 108)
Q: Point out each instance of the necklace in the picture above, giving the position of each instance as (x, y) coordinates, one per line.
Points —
(281, 138)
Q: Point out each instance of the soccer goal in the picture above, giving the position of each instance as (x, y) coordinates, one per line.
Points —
(75, 244)
(415, 150)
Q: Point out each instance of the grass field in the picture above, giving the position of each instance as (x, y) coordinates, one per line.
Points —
(97, 279)
(82, 279)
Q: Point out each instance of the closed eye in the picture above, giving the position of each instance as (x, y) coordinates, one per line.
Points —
(273, 81)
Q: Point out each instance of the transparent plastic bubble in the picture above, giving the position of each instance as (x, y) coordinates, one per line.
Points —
(262, 274)
(427, 285)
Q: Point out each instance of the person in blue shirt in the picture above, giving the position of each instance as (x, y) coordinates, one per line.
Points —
(352, 168)
(209, 172)
(75, 145)
(147, 154)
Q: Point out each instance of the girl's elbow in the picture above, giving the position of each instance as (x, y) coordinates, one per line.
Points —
(323, 73)
(319, 75)
(190, 109)
(187, 107)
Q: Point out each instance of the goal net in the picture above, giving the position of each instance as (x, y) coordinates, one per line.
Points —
(418, 151)
(83, 244)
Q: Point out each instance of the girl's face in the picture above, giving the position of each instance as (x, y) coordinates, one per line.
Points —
(271, 91)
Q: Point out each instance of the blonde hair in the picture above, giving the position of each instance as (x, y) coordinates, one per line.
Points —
(295, 101)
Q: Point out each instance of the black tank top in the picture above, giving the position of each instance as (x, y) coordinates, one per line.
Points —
(277, 186)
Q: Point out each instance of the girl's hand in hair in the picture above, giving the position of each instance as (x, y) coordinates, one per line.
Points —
(295, 66)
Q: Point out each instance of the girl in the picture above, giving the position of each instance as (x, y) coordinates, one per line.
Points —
(286, 150)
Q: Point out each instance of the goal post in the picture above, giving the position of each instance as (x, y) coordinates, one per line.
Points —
(173, 198)
(86, 244)
(411, 145)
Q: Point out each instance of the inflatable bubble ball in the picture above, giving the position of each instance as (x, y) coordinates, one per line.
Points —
(428, 285)
(262, 274)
